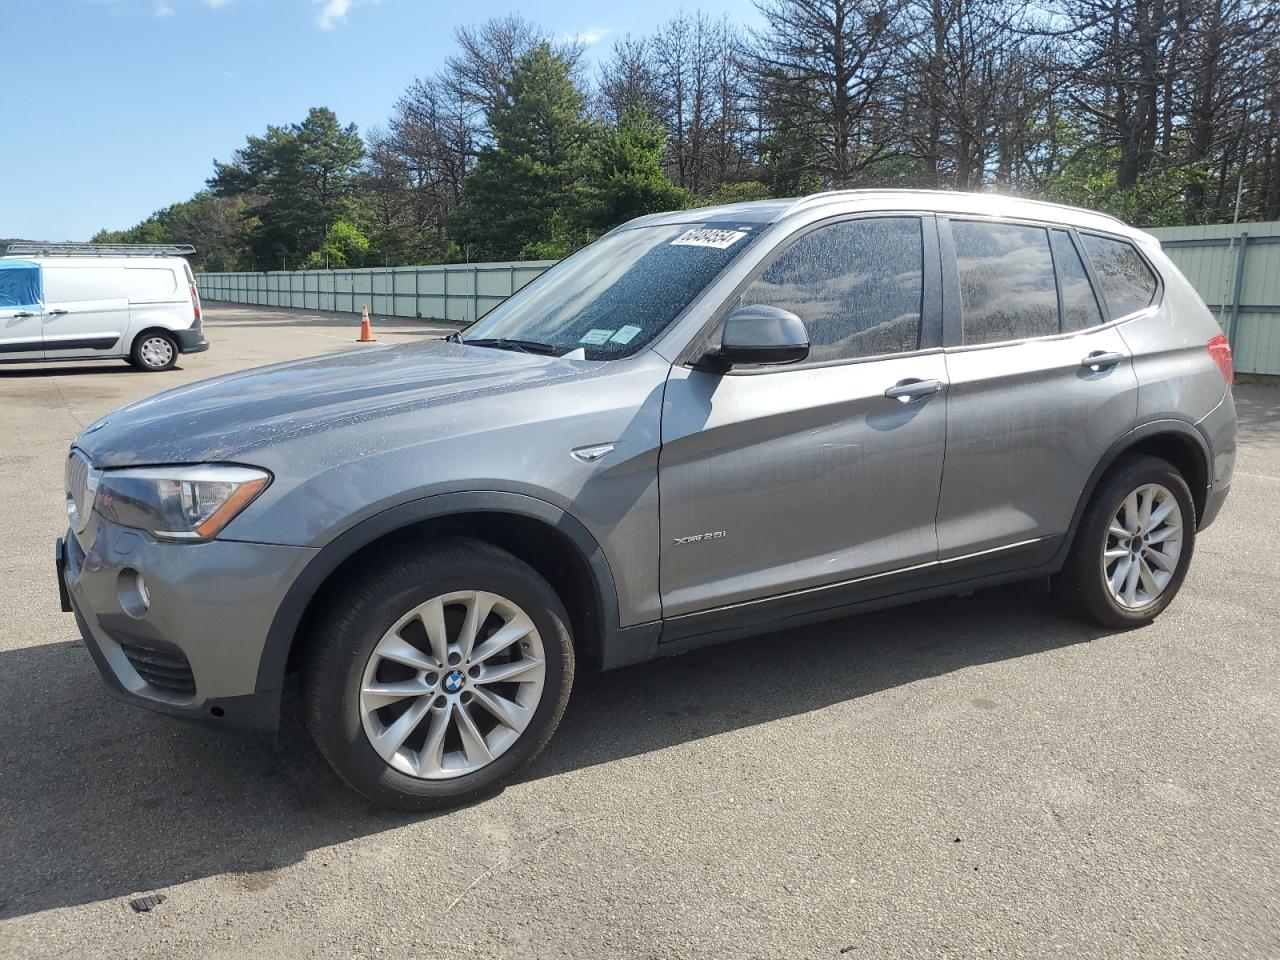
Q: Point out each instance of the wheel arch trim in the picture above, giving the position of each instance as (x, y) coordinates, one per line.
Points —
(297, 599)
(1183, 429)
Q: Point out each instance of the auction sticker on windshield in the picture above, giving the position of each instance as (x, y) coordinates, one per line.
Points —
(596, 336)
(704, 237)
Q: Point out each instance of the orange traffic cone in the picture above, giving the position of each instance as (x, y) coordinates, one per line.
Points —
(366, 330)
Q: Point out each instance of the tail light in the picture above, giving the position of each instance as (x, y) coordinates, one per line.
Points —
(1220, 352)
(195, 306)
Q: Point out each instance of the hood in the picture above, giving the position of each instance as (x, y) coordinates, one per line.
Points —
(221, 418)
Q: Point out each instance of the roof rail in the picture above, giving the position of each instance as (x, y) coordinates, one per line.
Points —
(814, 199)
(24, 248)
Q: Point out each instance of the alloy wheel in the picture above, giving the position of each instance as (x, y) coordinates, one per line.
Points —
(1143, 543)
(452, 685)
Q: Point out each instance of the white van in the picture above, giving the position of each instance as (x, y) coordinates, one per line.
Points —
(72, 301)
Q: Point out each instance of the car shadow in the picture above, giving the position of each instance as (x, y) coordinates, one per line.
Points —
(79, 368)
(102, 800)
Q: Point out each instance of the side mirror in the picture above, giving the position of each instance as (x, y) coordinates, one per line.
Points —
(761, 334)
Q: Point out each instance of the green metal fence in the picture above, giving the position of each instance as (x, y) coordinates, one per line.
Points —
(1236, 269)
(460, 292)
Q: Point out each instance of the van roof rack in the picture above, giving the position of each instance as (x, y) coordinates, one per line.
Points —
(27, 249)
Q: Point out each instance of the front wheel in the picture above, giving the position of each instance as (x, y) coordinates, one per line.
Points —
(1133, 545)
(437, 678)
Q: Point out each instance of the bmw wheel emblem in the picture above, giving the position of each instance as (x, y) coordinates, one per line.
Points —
(453, 681)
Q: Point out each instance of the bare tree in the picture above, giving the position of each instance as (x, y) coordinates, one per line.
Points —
(629, 79)
(828, 66)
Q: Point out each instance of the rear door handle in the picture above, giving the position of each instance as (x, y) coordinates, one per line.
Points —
(908, 391)
(1101, 360)
(56, 313)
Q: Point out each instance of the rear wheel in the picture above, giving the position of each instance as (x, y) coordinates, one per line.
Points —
(1133, 545)
(154, 351)
(439, 677)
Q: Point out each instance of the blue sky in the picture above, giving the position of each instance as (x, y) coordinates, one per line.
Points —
(118, 107)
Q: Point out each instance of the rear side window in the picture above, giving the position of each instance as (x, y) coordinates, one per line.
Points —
(857, 286)
(1079, 305)
(1007, 287)
(152, 283)
(1127, 282)
(71, 284)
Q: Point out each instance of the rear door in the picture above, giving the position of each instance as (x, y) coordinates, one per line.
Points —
(778, 479)
(87, 310)
(1040, 387)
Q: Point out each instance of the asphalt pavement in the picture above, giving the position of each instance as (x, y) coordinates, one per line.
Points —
(970, 777)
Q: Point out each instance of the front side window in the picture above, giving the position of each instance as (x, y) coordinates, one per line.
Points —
(857, 286)
(1127, 282)
(1007, 287)
(613, 297)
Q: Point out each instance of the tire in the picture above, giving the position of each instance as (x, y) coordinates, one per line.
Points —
(154, 351)
(346, 678)
(1100, 556)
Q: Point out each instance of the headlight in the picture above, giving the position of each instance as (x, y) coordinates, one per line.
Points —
(178, 503)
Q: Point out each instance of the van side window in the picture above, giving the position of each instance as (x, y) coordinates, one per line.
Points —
(1127, 282)
(1007, 288)
(151, 283)
(71, 284)
(1079, 305)
(857, 285)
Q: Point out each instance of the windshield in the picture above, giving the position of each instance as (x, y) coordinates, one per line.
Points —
(616, 295)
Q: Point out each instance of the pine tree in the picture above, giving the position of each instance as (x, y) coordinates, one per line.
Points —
(534, 165)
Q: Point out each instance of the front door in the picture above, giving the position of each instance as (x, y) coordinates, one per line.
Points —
(87, 311)
(778, 479)
(20, 335)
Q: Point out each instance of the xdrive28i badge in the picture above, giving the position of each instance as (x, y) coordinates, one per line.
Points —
(699, 537)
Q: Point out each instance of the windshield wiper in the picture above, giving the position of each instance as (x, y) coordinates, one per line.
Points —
(507, 343)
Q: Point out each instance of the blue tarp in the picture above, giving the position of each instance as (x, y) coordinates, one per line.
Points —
(21, 286)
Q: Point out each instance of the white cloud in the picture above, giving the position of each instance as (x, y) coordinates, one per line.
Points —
(333, 13)
(163, 9)
(589, 36)
(217, 3)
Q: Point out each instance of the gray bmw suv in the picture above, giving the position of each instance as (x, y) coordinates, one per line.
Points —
(707, 424)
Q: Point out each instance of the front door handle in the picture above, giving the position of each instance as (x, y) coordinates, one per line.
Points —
(56, 313)
(908, 391)
(23, 313)
(1102, 360)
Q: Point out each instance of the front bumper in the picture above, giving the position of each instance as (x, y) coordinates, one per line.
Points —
(191, 341)
(193, 650)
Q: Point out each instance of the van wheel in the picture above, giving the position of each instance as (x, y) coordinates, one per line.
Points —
(154, 350)
(1133, 545)
(439, 675)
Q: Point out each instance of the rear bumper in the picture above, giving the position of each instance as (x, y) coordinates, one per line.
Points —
(1218, 428)
(191, 341)
(1213, 503)
(193, 651)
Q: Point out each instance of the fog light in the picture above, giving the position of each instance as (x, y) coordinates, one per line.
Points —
(132, 592)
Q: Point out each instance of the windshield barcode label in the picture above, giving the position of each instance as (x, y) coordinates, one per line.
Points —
(720, 239)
